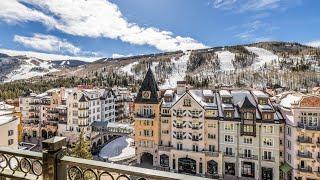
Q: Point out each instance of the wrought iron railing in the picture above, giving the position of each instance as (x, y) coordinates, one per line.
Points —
(308, 127)
(304, 139)
(20, 164)
(52, 164)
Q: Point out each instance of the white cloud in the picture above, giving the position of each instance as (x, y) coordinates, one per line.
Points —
(314, 44)
(47, 56)
(47, 43)
(94, 18)
(246, 5)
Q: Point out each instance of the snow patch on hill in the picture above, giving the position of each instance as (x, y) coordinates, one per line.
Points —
(128, 68)
(178, 71)
(31, 68)
(264, 56)
(46, 56)
(226, 58)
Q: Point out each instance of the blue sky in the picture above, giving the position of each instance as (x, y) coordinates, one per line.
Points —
(130, 27)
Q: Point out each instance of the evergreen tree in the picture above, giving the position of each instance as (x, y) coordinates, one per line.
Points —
(82, 148)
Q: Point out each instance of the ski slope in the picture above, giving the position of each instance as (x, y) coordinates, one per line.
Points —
(178, 71)
(31, 68)
(225, 58)
(264, 56)
(128, 68)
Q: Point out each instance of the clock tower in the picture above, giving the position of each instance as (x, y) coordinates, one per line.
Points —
(147, 121)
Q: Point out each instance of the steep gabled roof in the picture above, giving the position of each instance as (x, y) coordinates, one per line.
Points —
(83, 98)
(149, 84)
(246, 104)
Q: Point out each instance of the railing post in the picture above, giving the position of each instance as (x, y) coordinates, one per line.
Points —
(53, 150)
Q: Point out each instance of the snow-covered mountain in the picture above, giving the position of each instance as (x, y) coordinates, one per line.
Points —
(275, 64)
(258, 65)
(16, 67)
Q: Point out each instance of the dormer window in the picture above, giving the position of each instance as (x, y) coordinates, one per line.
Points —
(228, 114)
(262, 101)
(248, 115)
(267, 116)
(187, 102)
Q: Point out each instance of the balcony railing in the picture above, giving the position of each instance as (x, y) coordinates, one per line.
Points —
(307, 127)
(304, 154)
(52, 164)
(306, 169)
(179, 126)
(165, 147)
(304, 139)
(246, 156)
(211, 153)
(271, 159)
(229, 154)
(145, 116)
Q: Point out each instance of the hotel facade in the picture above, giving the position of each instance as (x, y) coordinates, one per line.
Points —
(302, 132)
(209, 133)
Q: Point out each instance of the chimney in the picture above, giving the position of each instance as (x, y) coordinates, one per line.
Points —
(181, 87)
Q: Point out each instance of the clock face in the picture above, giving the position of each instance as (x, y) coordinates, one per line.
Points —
(146, 94)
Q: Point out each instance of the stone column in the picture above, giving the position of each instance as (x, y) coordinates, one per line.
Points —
(53, 151)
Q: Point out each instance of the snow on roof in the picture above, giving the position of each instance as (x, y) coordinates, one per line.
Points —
(260, 94)
(239, 95)
(119, 125)
(227, 106)
(118, 149)
(224, 93)
(168, 92)
(207, 92)
(4, 106)
(6, 118)
(290, 99)
(265, 107)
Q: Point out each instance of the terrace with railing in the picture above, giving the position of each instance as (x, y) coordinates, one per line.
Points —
(54, 164)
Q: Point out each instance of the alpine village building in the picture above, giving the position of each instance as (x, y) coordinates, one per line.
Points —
(208, 133)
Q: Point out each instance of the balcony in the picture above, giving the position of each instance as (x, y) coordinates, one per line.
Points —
(211, 153)
(55, 165)
(83, 116)
(179, 137)
(229, 154)
(33, 117)
(179, 126)
(307, 127)
(145, 116)
(304, 139)
(306, 169)
(195, 139)
(165, 148)
(250, 157)
(165, 115)
(269, 159)
(83, 108)
(33, 110)
(306, 154)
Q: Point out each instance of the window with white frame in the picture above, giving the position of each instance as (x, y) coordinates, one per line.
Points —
(228, 138)
(228, 151)
(267, 141)
(187, 102)
(229, 127)
(228, 114)
(309, 118)
(267, 155)
(247, 140)
(268, 129)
